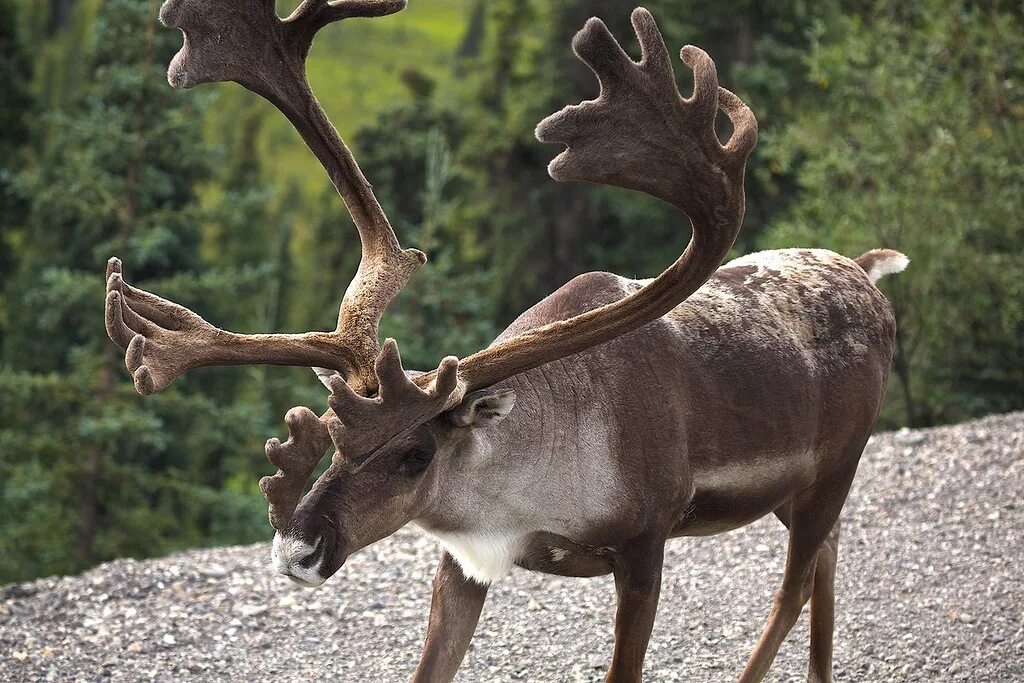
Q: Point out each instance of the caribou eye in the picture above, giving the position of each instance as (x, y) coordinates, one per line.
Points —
(416, 460)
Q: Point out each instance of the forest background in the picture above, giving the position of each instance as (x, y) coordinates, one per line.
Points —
(883, 124)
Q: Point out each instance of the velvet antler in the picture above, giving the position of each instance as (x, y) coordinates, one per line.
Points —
(639, 134)
(295, 460)
(164, 340)
(246, 42)
(358, 428)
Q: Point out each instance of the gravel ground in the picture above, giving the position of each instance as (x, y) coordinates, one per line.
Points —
(930, 588)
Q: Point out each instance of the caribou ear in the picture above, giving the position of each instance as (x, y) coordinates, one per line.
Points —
(484, 408)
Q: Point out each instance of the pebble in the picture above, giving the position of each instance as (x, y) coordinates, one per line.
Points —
(909, 437)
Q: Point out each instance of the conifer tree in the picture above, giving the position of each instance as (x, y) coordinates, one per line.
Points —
(88, 469)
(915, 144)
(16, 103)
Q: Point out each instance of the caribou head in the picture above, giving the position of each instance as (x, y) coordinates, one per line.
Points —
(348, 509)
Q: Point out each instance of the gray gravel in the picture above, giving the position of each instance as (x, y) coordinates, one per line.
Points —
(930, 589)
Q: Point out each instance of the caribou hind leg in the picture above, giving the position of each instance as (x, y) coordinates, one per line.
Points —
(823, 609)
(812, 517)
(823, 604)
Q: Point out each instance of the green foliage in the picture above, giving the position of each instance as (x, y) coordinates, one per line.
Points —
(88, 471)
(16, 104)
(916, 144)
(881, 125)
(15, 71)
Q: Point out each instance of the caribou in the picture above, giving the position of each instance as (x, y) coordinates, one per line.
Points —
(613, 415)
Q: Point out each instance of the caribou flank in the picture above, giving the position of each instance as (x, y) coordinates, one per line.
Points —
(611, 416)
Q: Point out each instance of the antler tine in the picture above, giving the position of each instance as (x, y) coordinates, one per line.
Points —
(655, 58)
(295, 460)
(744, 126)
(595, 45)
(362, 424)
(704, 101)
(163, 340)
(396, 386)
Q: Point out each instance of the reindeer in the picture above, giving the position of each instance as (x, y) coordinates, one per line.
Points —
(613, 415)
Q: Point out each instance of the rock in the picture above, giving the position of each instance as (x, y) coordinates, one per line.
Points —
(251, 610)
(213, 571)
(909, 437)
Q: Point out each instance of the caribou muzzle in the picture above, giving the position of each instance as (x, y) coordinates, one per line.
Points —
(307, 564)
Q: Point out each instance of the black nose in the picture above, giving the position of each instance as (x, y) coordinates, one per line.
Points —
(314, 557)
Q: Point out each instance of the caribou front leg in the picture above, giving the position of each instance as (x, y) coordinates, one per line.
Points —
(637, 584)
(454, 613)
(823, 610)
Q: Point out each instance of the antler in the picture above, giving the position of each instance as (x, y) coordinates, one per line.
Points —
(246, 42)
(295, 459)
(641, 134)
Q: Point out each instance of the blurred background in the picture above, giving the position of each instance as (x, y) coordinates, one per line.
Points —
(883, 124)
